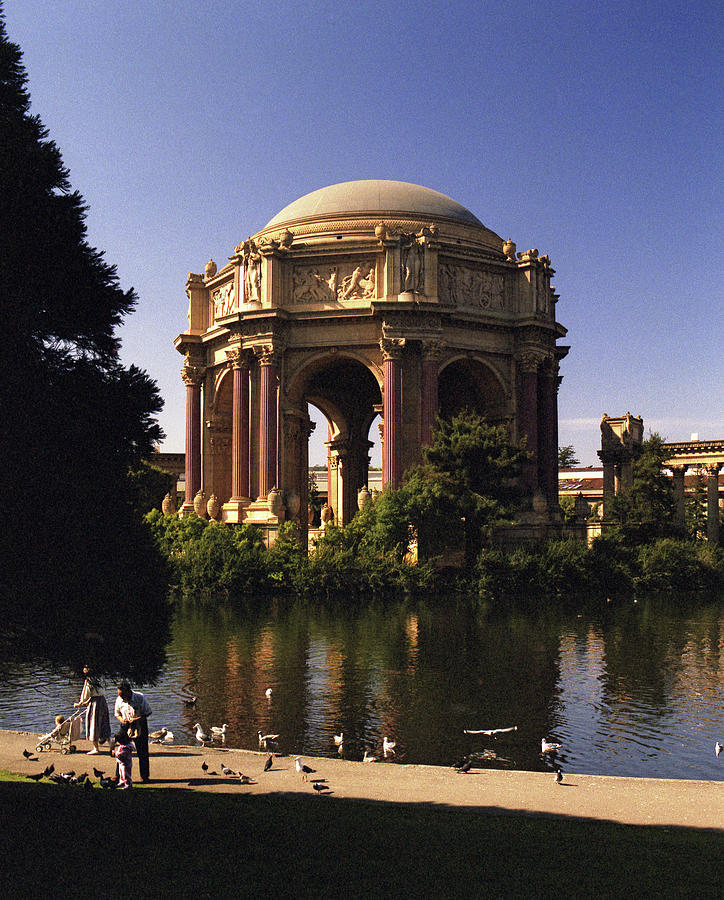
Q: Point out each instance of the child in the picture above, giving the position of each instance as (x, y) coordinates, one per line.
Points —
(123, 752)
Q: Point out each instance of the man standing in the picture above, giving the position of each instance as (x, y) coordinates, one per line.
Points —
(132, 709)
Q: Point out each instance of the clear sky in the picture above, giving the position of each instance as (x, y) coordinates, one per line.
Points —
(592, 131)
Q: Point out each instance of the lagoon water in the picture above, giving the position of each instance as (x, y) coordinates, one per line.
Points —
(631, 690)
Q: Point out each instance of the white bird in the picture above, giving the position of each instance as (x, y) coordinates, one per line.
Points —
(339, 738)
(268, 693)
(167, 738)
(266, 739)
(370, 757)
(219, 731)
(302, 769)
(490, 731)
(201, 735)
(159, 735)
(718, 748)
(549, 747)
(388, 747)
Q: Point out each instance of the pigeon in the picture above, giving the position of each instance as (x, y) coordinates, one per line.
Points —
(98, 773)
(205, 766)
(548, 747)
(201, 735)
(58, 779)
(268, 763)
(370, 757)
(465, 767)
(29, 756)
(388, 747)
(319, 787)
(245, 779)
(87, 784)
(79, 779)
(36, 777)
(227, 771)
(109, 783)
(559, 776)
(718, 748)
(219, 731)
(267, 739)
(49, 770)
(302, 769)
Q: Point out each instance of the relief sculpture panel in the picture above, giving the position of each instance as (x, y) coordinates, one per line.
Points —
(325, 283)
(224, 300)
(461, 285)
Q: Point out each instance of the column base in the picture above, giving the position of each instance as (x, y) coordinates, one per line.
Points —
(187, 509)
(234, 510)
(257, 513)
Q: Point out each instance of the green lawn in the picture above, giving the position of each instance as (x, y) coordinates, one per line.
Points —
(66, 842)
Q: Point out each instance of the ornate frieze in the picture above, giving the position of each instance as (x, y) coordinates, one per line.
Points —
(468, 286)
(352, 280)
(224, 300)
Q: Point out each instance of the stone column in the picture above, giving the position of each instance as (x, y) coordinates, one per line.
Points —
(430, 405)
(240, 425)
(548, 431)
(392, 410)
(712, 502)
(528, 417)
(193, 376)
(678, 473)
(609, 484)
(268, 367)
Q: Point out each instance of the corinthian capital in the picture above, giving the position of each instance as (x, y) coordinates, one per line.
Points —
(529, 361)
(192, 374)
(392, 347)
(267, 355)
(238, 358)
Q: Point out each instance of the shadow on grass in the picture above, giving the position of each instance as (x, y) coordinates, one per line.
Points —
(149, 843)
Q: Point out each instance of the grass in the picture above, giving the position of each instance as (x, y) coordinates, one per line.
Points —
(153, 842)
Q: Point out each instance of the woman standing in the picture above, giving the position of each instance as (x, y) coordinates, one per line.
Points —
(97, 720)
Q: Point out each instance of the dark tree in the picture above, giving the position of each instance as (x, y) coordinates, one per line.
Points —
(74, 419)
(567, 457)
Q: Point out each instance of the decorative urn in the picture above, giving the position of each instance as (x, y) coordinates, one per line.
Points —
(200, 505)
(210, 269)
(363, 497)
(509, 249)
(274, 502)
(168, 506)
(327, 515)
(213, 507)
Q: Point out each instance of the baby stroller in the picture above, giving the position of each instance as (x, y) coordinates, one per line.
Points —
(63, 735)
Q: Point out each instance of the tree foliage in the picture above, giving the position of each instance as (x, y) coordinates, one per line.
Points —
(567, 457)
(75, 419)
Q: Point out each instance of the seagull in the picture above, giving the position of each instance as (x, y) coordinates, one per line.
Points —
(98, 773)
(465, 767)
(559, 776)
(168, 738)
(159, 735)
(490, 731)
(227, 771)
(718, 748)
(36, 777)
(388, 747)
(339, 741)
(370, 757)
(268, 763)
(201, 735)
(219, 731)
(266, 739)
(268, 693)
(49, 770)
(319, 787)
(302, 769)
(548, 747)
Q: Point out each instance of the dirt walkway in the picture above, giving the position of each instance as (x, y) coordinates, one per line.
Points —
(635, 801)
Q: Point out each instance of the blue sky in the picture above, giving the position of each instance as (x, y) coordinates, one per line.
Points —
(590, 131)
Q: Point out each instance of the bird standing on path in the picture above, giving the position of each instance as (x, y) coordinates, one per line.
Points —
(29, 755)
(548, 746)
(319, 787)
(370, 757)
(388, 747)
(48, 770)
(268, 763)
(205, 767)
(36, 777)
(245, 779)
(98, 773)
(465, 767)
(201, 736)
(559, 776)
(302, 769)
(227, 771)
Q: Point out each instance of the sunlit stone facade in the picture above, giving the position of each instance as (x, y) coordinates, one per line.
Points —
(364, 298)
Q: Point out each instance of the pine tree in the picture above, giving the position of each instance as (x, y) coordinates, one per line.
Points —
(74, 418)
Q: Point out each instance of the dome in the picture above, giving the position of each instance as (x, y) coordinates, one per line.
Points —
(383, 198)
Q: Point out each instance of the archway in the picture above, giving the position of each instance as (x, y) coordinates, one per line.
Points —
(469, 384)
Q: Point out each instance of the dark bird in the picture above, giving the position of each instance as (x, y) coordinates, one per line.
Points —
(227, 771)
(79, 779)
(87, 785)
(204, 766)
(98, 773)
(49, 770)
(67, 775)
(245, 779)
(190, 701)
(36, 777)
(465, 767)
(28, 755)
(559, 776)
(319, 787)
(58, 779)
(109, 783)
(302, 769)
(268, 764)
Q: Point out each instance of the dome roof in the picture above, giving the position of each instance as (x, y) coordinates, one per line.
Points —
(379, 197)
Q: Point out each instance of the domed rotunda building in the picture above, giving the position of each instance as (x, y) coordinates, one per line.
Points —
(364, 298)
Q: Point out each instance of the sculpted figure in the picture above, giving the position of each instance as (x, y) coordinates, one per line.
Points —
(412, 267)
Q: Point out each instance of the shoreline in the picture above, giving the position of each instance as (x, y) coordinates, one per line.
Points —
(632, 801)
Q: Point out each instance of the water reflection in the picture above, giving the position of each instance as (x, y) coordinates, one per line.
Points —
(635, 690)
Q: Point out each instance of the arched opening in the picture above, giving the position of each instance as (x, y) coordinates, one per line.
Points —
(469, 384)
